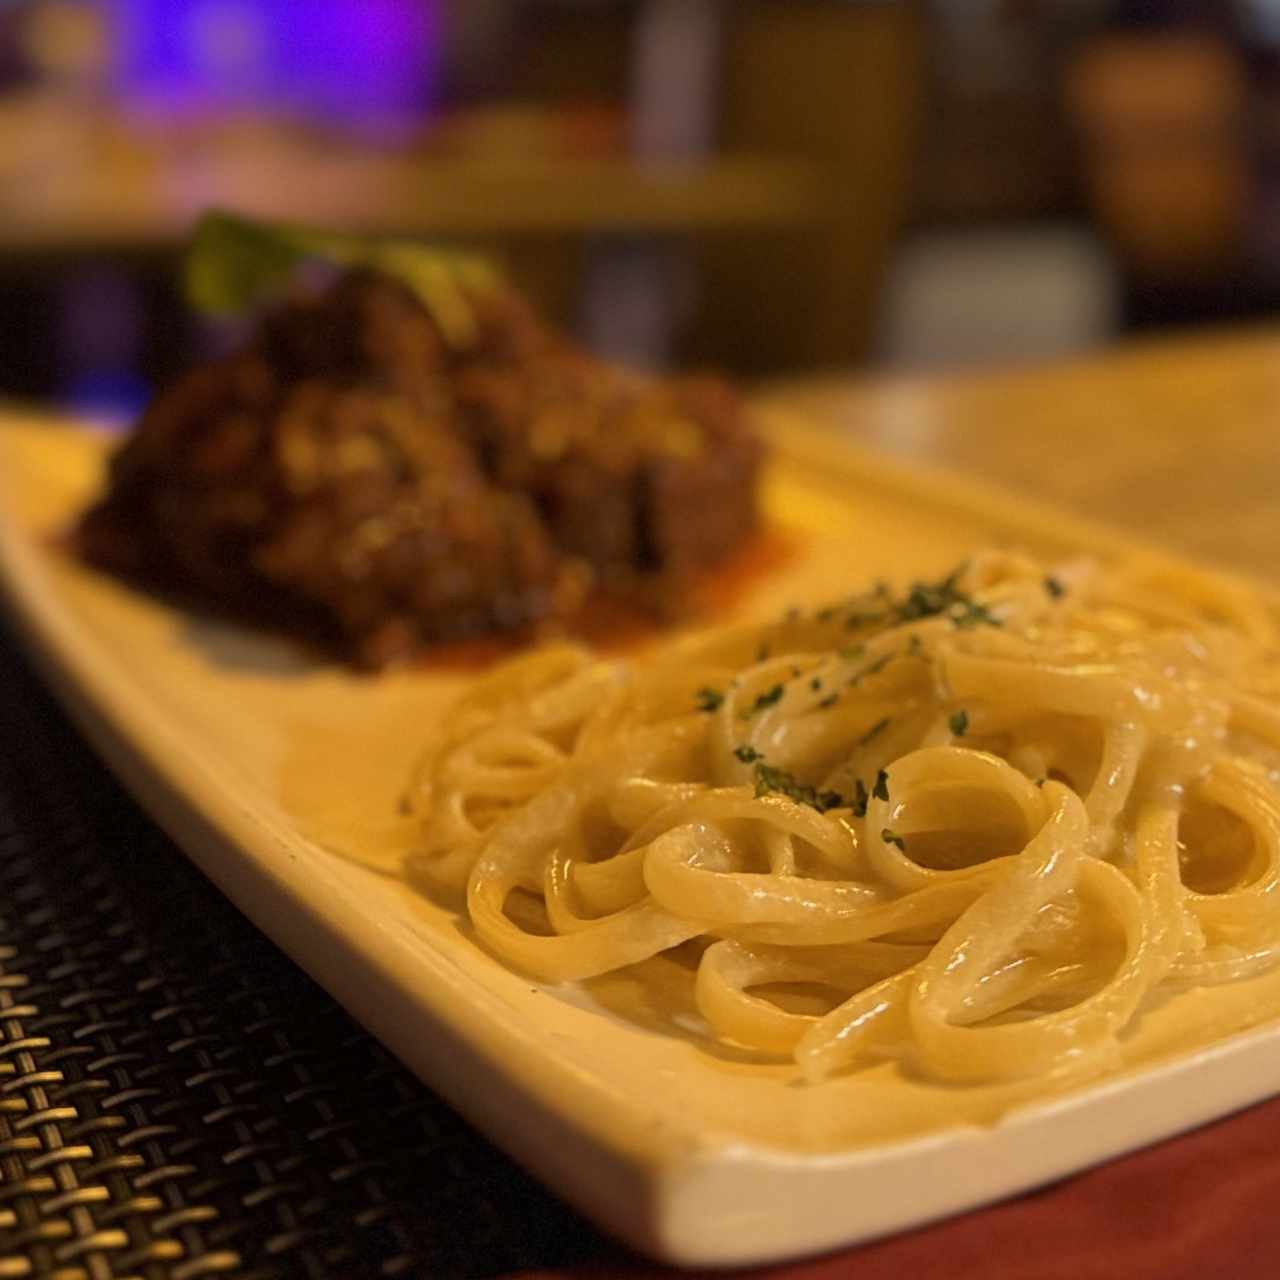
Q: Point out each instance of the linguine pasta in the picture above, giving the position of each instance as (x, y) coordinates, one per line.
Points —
(973, 826)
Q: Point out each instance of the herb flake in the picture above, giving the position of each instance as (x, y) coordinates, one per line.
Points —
(959, 723)
(774, 781)
(944, 599)
(860, 798)
(940, 599)
(766, 699)
(972, 614)
(708, 699)
(889, 836)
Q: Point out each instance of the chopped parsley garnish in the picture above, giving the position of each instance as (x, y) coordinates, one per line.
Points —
(766, 699)
(860, 798)
(747, 754)
(1054, 588)
(889, 836)
(771, 781)
(815, 684)
(923, 600)
(959, 723)
(972, 614)
(829, 701)
(943, 598)
(926, 601)
(881, 789)
(708, 699)
(876, 729)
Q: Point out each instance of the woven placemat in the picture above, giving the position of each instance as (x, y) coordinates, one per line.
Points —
(177, 1099)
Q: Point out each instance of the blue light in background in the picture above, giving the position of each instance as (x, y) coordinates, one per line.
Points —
(341, 60)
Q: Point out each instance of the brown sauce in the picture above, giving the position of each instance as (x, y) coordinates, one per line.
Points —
(615, 624)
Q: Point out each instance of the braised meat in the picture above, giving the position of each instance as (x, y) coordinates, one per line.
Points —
(636, 478)
(354, 472)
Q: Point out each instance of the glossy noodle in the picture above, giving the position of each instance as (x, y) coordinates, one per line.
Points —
(973, 826)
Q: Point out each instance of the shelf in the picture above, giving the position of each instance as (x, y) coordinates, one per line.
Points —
(618, 196)
(118, 207)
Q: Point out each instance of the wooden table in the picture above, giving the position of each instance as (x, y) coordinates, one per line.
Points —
(1177, 441)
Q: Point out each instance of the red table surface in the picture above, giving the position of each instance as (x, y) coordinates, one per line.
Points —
(1199, 1207)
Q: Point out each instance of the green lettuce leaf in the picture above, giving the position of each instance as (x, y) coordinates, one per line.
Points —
(234, 264)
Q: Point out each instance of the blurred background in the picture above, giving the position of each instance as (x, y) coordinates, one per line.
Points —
(771, 186)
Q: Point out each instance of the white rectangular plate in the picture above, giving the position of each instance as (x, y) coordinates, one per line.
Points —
(260, 762)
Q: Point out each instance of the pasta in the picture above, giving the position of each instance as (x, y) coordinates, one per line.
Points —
(975, 827)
